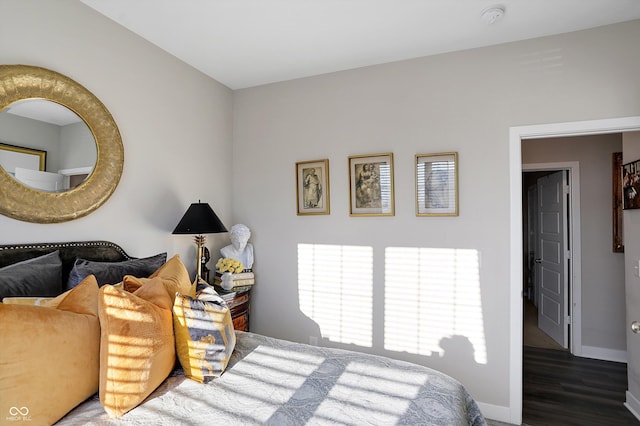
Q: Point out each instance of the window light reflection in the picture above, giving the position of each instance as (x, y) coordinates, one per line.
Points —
(361, 381)
(335, 285)
(432, 294)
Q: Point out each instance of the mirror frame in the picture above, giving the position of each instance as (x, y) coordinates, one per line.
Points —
(19, 201)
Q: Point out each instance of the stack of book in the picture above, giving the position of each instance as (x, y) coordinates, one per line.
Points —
(242, 279)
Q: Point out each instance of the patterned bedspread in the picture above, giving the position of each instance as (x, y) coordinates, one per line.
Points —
(275, 382)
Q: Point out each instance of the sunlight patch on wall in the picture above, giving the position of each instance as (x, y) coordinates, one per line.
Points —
(335, 285)
(431, 295)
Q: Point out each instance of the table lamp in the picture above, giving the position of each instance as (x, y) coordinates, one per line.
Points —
(199, 219)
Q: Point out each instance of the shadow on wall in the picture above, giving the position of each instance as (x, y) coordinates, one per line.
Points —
(299, 327)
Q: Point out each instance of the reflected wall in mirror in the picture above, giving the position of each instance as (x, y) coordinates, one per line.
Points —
(84, 146)
(46, 126)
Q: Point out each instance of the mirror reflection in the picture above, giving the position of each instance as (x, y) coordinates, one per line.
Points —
(45, 145)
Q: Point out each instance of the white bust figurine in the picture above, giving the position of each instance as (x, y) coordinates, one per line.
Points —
(239, 248)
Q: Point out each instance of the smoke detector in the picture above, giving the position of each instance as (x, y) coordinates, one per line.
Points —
(492, 14)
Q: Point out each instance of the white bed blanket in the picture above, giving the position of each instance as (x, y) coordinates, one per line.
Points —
(276, 382)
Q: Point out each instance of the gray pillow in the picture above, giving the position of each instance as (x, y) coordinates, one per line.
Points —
(37, 277)
(113, 272)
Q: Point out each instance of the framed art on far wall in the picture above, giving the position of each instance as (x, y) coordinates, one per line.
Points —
(371, 185)
(16, 156)
(437, 184)
(312, 184)
(631, 185)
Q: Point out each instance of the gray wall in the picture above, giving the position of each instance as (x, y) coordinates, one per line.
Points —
(187, 137)
(464, 102)
(603, 318)
(78, 146)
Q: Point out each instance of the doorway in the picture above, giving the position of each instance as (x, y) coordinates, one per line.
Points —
(516, 136)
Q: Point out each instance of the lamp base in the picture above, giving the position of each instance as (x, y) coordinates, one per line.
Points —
(199, 240)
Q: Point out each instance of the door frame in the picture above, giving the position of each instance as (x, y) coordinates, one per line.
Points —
(575, 239)
(516, 135)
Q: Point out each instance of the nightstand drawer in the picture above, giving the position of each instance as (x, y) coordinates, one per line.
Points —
(240, 308)
(237, 301)
(241, 323)
(239, 304)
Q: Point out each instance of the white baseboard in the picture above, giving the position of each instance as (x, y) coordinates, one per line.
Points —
(633, 405)
(604, 354)
(495, 412)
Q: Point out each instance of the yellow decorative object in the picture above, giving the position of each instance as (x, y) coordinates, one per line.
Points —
(49, 357)
(227, 264)
(174, 276)
(137, 344)
(30, 301)
(50, 302)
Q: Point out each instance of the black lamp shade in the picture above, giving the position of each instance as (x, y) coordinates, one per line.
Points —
(199, 219)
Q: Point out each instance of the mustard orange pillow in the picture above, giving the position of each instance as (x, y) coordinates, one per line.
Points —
(137, 346)
(31, 301)
(205, 338)
(174, 275)
(50, 302)
(49, 357)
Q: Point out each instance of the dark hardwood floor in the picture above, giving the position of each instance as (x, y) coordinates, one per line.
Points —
(562, 389)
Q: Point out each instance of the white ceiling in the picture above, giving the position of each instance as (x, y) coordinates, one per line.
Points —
(43, 110)
(244, 43)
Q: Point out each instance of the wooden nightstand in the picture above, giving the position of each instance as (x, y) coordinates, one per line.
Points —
(238, 302)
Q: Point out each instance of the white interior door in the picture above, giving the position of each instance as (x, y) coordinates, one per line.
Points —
(552, 257)
(633, 341)
(532, 241)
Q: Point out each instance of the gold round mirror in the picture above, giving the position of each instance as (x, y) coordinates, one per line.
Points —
(23, 202)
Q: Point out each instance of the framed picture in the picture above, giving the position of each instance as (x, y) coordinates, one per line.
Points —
(616, 167)
(371, 185)
(312, 182)
(437, 184)
(631, 185)
(16, 156)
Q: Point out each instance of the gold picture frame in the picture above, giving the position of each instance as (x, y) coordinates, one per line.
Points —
(437, 184)
(18, 155)
(371, 190)
(312, 187)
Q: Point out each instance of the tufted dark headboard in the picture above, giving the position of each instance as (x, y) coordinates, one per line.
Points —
(90, 250)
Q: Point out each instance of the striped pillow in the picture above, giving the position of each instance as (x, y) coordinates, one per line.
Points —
(204, 332)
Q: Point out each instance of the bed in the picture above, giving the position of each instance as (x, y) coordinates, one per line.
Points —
(273, 381)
